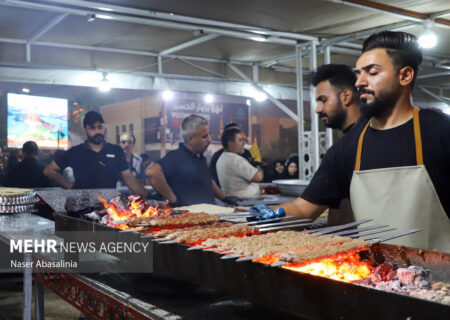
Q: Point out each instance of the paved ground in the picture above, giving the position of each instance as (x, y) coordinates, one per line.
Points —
(11, 303)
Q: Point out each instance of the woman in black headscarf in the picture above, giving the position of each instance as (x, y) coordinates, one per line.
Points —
(277, 170)
(291, 168)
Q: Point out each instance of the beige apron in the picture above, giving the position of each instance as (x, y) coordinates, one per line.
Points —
(403, 197)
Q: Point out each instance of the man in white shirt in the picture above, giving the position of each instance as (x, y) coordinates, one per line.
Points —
(236, 176)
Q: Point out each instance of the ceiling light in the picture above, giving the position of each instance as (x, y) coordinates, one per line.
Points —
(248, 102)
(260, 96)
(428, 39)
(167, 95)
(26, 90)
(104, 85)
(447, 111)
(209, 98)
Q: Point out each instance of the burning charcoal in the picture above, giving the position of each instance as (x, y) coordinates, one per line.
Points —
(104, 219)
(406, 277)
(96, 204)
(375, 277)
(77, 206)
(409, 276)
(421, 272)
(422, 283)
(154, 203)
(93, 216)
(394, 286)
(386, 270)
(120, 202)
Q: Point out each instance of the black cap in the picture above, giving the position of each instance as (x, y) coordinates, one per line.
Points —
(92, 117)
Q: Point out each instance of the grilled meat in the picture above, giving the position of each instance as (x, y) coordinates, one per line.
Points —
(166, 232)
(272, 243)
(191, 236)
(175, 220)
(322, 252)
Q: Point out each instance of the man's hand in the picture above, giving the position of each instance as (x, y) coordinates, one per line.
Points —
(266, 212)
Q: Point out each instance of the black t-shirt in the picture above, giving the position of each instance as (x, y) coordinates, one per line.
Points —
(188, 176)
(94, 169)
(384, 149)
(28, 174)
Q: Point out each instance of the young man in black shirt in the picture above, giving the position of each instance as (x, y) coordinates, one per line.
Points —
(337, 106)
(395, 166)
(95, 163)
(29, 172)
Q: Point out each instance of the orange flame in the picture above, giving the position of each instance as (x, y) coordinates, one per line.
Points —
(103, 201)
(345, 267)
(136, 207)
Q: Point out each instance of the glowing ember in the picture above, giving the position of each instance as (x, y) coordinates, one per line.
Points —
(135, 207)
(345, 267)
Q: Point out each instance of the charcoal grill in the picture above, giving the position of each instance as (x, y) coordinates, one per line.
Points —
(300, 294)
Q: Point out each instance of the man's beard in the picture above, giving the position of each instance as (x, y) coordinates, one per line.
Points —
(97, 139)
(335, 120)
(383, 102)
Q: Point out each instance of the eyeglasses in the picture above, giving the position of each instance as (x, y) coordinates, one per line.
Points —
(126, 142)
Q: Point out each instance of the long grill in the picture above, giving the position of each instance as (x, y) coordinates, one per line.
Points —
(301, 294)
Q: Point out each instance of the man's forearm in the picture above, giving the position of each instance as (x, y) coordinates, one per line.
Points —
(219, 193)
(157, 179)
(58, 179)
(302, 209)
(136, 186)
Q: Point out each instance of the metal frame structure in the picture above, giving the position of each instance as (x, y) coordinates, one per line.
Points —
(92, 302)
(205, 30)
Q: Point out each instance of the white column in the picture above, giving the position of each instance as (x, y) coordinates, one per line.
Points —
(299, 82)
(313, 115)
(327, 60)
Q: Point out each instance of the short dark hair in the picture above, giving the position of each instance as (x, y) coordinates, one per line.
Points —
(403, 49)
(228, 135)
(92, 117)
(30, 148)
(231, 125)
(339, 75)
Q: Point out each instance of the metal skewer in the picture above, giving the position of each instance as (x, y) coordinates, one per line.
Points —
(266, 221)
(285, 227)
(392, 236)
(246, 258)
(371, 232)
(347, 232)
(283, 223)
(326, 230)
(230, 257)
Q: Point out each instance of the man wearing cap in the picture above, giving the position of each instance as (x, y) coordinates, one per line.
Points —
(95, 163)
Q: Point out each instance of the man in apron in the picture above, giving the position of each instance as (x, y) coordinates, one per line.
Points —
(395, 165)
